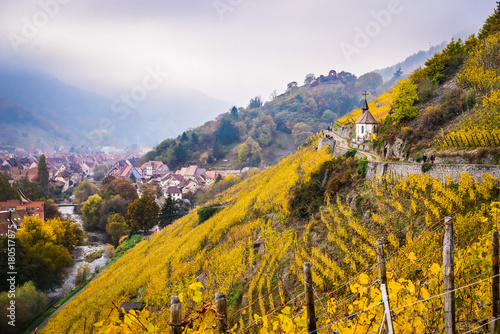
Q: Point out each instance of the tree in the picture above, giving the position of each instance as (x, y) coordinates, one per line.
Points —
(90, 210)
(43, 174)
(123, 188)
(291, 86)
(301, 131)
(398, 73)
(405, 96)
(492, 23)
(83, 191)
(227, 133)
(116, 227)
(51, 210)
(32, 190)
(371, 80)
(46, 249)
(234, 112)
(169, 212)
(6, 190)
(309, 79)
(243, 151)
(142, 214)
(111, 206)
(273, 94)
(256, 102)
(194, 138)
(184, 137)
(30, 302)
(328, 116)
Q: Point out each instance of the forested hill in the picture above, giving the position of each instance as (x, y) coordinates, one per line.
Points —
(262, 134)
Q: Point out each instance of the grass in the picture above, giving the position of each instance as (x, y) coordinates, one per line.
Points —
(93, 256)
(125, 246)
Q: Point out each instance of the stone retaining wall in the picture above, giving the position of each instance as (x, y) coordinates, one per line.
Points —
(439, 171)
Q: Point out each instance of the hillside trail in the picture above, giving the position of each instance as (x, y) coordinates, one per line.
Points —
(342, 143)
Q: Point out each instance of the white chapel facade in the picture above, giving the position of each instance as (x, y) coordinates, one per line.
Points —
(366, 124)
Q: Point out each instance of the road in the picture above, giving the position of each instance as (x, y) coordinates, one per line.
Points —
(342, 143)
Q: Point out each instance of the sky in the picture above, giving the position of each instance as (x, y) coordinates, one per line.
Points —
(229, 50)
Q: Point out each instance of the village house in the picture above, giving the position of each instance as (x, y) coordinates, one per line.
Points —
(128, 171)
(174, 192)
(24, 208)
(153, 169)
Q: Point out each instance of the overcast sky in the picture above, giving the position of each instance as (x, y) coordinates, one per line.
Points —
(231, 50)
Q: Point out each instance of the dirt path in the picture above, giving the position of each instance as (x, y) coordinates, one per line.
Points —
(342, 143)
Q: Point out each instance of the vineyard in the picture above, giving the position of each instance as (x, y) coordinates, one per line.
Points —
(480, 73)
(265, 285)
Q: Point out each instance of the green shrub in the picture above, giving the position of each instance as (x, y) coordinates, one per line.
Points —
(82, 273)
(427, 166)
(417, 157)
(362, 167)
(359, 198)
(426, 90)
(351, 153)
(470, 99)
(93, 256)
(207, 212)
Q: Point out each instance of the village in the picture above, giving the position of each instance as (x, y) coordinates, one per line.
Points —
(68, 170)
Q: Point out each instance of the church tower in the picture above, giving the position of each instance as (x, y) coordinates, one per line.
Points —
(366, 124)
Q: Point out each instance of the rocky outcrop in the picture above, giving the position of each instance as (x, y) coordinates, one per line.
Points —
(395, 151)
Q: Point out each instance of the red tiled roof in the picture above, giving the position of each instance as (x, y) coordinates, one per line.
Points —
(125, 171)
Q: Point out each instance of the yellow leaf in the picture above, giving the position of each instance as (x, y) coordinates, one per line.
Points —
(425, 293)
(412, 256)
(364, 279)
(181, 297)
(195, 286)
(435, 268)
(198, 296)
(411, 287)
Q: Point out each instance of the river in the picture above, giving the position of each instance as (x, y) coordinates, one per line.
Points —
(95, 241)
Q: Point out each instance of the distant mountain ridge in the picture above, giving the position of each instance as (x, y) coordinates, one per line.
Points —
(21, 127)
(90, 118)
(411, 63)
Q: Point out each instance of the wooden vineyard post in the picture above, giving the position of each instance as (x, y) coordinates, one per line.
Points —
(495, 283)
(175, 315)
(221, 308)
(381, 262)
(382, 271)
(311, 316)
(448, 278)
(387, 309)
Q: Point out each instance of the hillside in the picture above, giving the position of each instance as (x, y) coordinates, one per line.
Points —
(277, 127)
(333, 224)
(263, 134)
(449, 108)
(21, 127)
